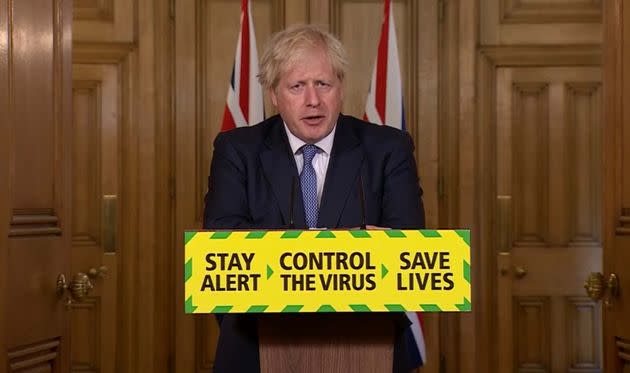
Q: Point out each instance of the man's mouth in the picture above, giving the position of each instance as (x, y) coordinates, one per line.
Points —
(313, 119)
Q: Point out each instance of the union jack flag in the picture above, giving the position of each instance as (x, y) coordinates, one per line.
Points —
(244, 99)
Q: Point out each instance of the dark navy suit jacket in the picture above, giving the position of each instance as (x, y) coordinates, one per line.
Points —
(250, 185)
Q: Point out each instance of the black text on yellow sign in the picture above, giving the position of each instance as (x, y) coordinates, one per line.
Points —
(341, 271)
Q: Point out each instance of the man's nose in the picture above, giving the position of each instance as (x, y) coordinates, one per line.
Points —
(311, 96)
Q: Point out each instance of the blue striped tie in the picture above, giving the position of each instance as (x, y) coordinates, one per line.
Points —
(308, 181)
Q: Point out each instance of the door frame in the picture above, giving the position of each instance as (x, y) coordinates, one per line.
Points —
(613, 101)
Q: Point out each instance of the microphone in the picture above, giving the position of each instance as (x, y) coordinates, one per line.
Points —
(291, 203)
(362, 201)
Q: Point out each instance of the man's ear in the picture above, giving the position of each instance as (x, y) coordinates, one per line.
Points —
(274, 98)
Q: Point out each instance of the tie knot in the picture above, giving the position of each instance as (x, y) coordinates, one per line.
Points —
(308, 152)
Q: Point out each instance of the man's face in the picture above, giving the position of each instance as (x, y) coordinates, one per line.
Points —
(308, 96)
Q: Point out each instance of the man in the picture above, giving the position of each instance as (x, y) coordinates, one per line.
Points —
(328, 161)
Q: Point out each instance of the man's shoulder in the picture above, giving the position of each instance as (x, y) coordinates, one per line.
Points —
(249, 135)
(370, 133)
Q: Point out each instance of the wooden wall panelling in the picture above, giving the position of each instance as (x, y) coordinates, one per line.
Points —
(558, 22)
(5, 187)
(128, 338)
(447, 17)
(537, 12)
(296, 11)
(105, 20)
(448, 105)
(147, 177)
(186, 42)
(422, 28)
(94, 10)
(167, 258)
(624, 161)
(153, 175)
(469, 169)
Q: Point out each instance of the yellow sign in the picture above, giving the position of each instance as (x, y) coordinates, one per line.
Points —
(327, 271)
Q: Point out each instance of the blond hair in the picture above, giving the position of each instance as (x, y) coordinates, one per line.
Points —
(286, 47)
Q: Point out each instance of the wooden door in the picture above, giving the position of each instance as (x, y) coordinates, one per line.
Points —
(35, 169)
(616, 188)
(548, 133)
(103, 37)
(96, 191)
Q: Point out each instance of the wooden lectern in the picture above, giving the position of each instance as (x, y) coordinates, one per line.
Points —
(327, 342)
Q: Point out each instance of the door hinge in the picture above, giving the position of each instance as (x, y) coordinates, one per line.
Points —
(440, 187)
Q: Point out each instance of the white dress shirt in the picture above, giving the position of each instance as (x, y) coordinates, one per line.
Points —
(320, 161)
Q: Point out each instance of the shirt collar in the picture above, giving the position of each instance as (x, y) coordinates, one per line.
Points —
(324, 144)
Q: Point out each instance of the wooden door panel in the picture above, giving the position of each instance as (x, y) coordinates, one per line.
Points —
(96, 121)
(104, 20)
(548, 132)
(541, 22)
(36, 197)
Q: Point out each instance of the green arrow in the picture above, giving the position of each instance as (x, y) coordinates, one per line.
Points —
(269, 271)
(384, 271)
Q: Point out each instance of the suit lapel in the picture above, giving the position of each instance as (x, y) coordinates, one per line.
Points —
(344, 166)
(279, 167)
